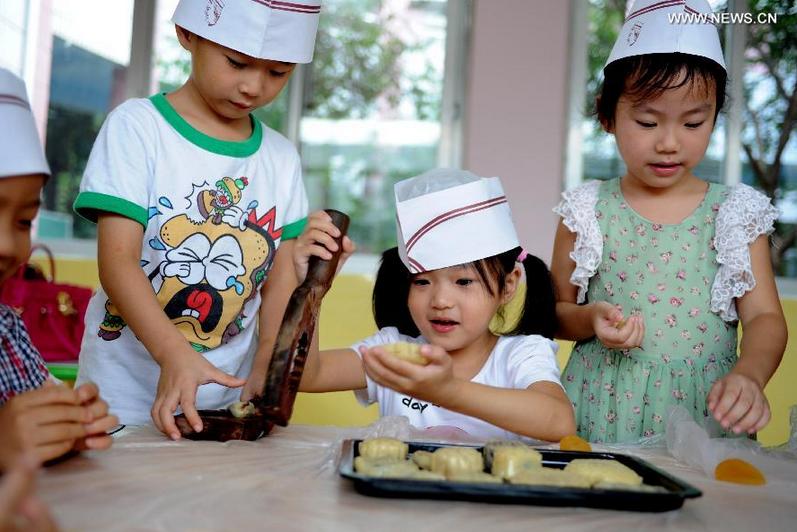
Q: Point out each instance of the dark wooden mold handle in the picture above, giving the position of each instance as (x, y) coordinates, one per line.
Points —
(296, 332)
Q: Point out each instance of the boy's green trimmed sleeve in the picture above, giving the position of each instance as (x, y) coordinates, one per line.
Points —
(90, 204)
(294, 229)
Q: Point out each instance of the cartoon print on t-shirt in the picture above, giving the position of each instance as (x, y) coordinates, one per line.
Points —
(216, 254)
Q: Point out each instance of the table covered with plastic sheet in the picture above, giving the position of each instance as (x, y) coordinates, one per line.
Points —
(289, 481)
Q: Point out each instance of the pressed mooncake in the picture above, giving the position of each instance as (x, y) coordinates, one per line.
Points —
(607, 471)
(407, 351)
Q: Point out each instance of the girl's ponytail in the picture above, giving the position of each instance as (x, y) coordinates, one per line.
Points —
(391, 290)
(538, 315)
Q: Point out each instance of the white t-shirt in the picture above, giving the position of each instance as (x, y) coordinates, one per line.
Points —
(516, 362)
(213, 214)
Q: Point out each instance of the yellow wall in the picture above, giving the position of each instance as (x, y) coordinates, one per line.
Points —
(346, 318)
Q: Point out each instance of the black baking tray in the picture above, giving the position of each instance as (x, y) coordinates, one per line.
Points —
(672, 496)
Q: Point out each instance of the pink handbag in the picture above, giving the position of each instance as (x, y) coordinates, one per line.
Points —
(53, 312)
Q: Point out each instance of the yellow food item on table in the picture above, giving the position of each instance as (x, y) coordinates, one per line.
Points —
(423, 474)
(423, 459)
(598, 470)
(240, 409)
(644, 488)
(385, 468)
(476, 476)
(491, 446)
(509, 461)
(740, 472)
(407, 351)
(451, 461)
(549, 476)
(574, 443)
(383, 448)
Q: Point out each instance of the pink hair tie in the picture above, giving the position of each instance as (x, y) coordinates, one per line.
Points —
(522, 256)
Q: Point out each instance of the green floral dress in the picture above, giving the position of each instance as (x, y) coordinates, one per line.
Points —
(681, 280)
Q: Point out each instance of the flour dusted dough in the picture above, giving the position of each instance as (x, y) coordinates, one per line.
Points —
(240, 409)
(451, 461)
(476, 476)
(627, 487)
(423, 459)
(383, 448)
(423, 474)
(606, 471)
(407, 351)
(509, 461)
(549, 476)
(385, 468)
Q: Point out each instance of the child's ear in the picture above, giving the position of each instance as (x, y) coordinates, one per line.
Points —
(186, 39)
(510, 287)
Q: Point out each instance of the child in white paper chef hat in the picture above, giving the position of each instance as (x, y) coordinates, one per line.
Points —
(193, 197)
(38, 418)
(457, 264)
(654, 269)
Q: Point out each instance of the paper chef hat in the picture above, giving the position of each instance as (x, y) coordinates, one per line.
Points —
(21, 150)
(265, 29)
(652, 28)
(447, 217)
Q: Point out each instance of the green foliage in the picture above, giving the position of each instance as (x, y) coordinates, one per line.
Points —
(770, 97)
(605, 20)
(772, 80)
(356, 61)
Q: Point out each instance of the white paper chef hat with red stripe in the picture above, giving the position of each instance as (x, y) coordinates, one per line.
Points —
(265, 29)
(670, 26)
(21, 151)
(448, 217)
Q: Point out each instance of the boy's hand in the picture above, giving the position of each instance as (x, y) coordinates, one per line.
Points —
(101, 421)
(181, 374)
(738, 403)
(613, 330)
(19, 508)
(432, 382)
(318, 239)
(46, 422)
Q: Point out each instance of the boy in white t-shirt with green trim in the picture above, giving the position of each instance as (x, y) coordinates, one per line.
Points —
(196, 202)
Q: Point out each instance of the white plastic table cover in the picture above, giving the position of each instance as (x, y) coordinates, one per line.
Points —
(289, 481)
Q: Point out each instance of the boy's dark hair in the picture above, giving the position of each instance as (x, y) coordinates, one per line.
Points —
(537, 316)
(642, 77)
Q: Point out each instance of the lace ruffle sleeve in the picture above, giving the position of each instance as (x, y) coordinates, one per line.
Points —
(577, 210)
(743, 217)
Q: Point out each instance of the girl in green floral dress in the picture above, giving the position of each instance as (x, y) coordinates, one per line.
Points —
(655, 269)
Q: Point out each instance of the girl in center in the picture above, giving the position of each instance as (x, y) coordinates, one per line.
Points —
(456, 266)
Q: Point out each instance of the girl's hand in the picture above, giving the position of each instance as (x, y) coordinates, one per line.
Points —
(613, 330)
(738, 403)
(432, 383)
(45, 423)
(318, 239)
(181, 374)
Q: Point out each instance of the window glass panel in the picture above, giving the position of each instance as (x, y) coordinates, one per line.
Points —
(371, 115)
(12, 34)
(769, 145)
(91, 51)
